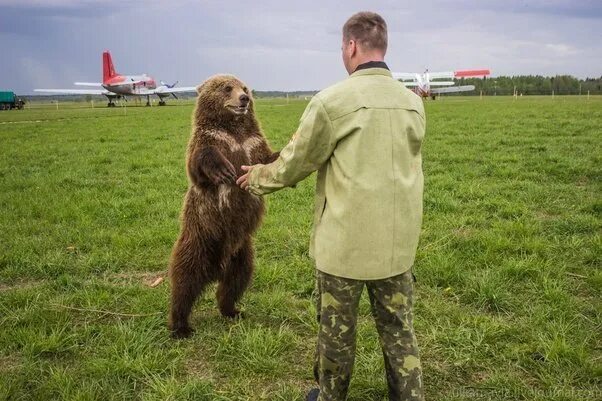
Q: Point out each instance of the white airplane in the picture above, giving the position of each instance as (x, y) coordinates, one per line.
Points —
(422, 84)
(117, 86)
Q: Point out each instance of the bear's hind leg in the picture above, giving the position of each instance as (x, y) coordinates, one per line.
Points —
(235, 280)
(188, 279)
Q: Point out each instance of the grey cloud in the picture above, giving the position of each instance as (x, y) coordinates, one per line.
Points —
(287, 45)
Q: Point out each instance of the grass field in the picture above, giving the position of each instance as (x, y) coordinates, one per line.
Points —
(509, 282)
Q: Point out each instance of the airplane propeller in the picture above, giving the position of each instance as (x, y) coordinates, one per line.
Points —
(168, 85)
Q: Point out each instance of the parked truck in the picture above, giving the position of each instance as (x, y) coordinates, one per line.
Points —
(8, 101)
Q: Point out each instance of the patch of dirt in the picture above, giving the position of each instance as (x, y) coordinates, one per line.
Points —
(149, 279)
(463, 232)
(10, 362)
(582, 181)
(544, 216)
(21, 285)
(198, 367)
(480, 376)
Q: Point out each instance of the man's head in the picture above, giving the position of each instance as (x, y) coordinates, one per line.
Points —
(364, 39)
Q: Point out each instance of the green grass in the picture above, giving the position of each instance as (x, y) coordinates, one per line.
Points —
(509, 280)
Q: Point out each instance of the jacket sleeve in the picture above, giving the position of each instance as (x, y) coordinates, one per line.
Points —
(311, 146)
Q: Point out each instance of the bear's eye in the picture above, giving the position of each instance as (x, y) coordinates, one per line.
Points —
(245, 89)
(228, 88)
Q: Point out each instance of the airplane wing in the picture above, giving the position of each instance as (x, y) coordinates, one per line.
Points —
(166, 90)
(443, 74)
(76, 91)
(436, 75)
(471, 73)
(404, 76)
(409, 83)
(452, 89)
(441, 83)
(88, 83)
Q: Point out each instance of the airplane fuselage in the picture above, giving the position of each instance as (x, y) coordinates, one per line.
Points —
(130, 84)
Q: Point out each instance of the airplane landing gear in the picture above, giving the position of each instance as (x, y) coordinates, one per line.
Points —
(111, 101)
(162, 103)
(147, 101)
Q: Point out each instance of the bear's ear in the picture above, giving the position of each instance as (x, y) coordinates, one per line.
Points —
(200, 88)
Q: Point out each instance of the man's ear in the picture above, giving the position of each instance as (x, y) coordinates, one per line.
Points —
(352, 48)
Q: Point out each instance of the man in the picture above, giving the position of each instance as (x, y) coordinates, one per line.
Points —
(363, 136)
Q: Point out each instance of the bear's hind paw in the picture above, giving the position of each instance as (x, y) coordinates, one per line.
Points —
(233, 314)
(182, 332)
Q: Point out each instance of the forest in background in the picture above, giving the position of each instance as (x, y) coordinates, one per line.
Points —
(533, 85)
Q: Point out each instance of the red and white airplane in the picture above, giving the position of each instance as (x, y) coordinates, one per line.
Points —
(422, 84)
(119, 86)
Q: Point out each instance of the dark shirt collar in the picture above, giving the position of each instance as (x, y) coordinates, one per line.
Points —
(372, 64)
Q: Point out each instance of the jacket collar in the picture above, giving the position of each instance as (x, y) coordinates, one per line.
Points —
(369, 70)
(371, 64)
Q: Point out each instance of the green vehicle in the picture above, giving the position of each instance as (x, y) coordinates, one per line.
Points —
(8, 101)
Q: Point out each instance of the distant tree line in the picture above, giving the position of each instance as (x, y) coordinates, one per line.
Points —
(502, 85)
(533, 85)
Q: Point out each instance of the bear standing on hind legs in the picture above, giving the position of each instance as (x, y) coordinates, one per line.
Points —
(218, 218)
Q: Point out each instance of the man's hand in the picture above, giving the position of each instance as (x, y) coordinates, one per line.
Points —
(243, 180)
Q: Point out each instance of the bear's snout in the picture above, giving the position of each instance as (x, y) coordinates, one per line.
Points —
(244, 99)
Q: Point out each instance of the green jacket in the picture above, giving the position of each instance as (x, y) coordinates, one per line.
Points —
(363, 135)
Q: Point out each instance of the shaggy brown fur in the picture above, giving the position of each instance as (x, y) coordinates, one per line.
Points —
(218, 218)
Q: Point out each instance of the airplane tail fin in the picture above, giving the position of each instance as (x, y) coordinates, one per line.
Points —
(108, 71)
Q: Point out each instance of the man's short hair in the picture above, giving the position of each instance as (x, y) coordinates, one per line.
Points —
(368, 29)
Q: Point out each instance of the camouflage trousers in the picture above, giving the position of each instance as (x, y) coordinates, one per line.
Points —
(391, 301)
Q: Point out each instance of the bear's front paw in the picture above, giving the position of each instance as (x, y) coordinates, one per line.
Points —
(182, 332)
(272, 158)
(223, 174)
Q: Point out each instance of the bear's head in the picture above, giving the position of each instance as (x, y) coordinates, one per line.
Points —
(224, 98)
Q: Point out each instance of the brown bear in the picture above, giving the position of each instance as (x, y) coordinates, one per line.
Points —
(218, 218)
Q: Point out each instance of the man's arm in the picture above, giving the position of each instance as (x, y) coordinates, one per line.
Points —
(309, 149)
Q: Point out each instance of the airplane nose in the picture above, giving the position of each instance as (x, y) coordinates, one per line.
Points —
(244, 99)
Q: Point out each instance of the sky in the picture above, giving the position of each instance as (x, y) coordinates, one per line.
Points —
(282, 45)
